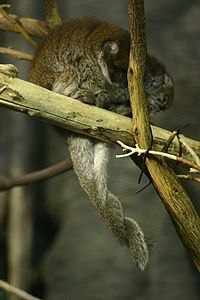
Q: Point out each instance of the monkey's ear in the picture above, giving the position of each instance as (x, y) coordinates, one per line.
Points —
(110, 48)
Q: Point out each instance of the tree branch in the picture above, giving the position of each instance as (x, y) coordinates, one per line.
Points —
(33, 177)
(189, 177)
(10, 289)
(17, 25)
(35, 101)
(166, 183)
(51, 13)
(32, 26)
(16, 53)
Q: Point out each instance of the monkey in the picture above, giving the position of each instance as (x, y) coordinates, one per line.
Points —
(87, 59)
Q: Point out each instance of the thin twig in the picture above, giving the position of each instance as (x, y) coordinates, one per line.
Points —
(3, 88)
(10, 289)
(5, 6)
(169, 141)
(136, 149)
(16, 53)
(17, 24)
(190, 150)
(189, 177)
(33, 177)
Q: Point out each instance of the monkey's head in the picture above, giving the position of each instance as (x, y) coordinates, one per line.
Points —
(112, 44)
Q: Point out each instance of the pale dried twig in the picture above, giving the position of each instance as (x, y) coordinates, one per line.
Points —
(137, 150)
(190, 150)
(3, 88)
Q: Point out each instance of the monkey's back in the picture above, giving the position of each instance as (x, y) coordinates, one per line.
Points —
(71, 43)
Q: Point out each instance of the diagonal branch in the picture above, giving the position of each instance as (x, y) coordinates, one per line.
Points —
(166, 183)
(32, 26)
(16, 53)
(17, 25)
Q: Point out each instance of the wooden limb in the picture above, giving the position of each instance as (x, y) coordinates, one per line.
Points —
(18, 26)
(165, 181)
(32, 26)
(10, 289)
(51, 12)
(16, 53)
(33, 177)
(35, 101)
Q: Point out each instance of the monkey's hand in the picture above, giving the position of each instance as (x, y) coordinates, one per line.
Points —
(112, 96)
(122, 109)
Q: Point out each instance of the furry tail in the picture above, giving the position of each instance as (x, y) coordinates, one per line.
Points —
(90, 161)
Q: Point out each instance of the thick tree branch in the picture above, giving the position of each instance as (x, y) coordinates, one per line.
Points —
(166, 183)
(35, 101)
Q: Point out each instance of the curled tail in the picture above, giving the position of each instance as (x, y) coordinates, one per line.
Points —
(90, 160)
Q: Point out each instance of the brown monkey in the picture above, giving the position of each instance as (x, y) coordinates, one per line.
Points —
(87, 59)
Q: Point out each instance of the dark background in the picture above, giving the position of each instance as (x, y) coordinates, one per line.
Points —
(52, 243)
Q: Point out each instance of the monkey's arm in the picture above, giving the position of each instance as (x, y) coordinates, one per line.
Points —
(96, 92)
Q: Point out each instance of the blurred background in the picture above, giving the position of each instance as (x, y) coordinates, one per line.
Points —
(52, 243)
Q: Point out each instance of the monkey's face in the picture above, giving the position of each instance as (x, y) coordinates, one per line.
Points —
(159, 90)
(158, 86)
